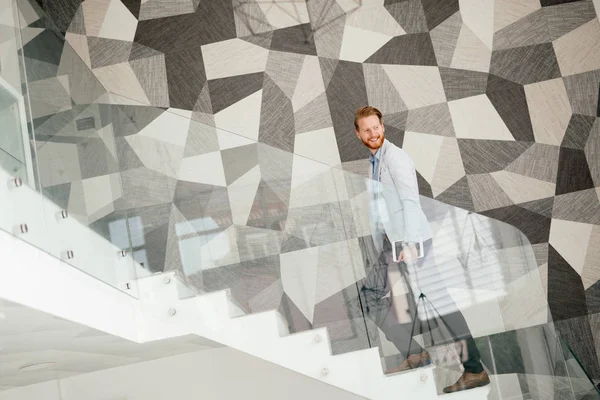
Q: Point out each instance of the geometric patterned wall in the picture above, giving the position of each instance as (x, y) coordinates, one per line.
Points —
(497, 102)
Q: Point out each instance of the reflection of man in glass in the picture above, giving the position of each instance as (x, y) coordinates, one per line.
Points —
(400, 221)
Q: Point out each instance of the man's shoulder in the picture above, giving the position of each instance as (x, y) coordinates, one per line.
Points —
(396, 154)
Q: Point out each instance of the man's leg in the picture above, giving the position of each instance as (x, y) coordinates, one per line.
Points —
(473, 363)
(474, 375)
(455, 323)
(378, 307)
(456, 326)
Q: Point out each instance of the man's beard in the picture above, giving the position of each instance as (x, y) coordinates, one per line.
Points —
(374, 145)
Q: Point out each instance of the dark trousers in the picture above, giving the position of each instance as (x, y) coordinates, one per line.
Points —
(379, 308)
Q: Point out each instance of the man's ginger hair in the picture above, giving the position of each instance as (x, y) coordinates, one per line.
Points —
(364, 112)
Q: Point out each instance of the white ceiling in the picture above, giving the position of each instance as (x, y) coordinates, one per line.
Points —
(28, 336)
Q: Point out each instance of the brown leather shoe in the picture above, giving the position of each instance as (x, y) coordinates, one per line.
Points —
(413, 361)
(469, 380)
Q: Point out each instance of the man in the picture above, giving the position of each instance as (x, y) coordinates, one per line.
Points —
(403, 222)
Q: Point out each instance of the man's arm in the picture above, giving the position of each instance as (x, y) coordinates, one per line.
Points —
(404, 176)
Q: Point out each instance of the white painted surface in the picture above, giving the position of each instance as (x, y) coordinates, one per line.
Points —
(40, 391)
(38, 280)
(221, 374)
(32, 337)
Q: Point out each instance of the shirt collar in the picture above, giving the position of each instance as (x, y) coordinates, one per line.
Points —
(376, 156)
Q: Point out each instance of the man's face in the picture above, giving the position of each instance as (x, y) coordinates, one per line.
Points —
(371, 132)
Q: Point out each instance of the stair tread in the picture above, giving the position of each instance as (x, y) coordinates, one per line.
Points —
(458, 395)
(426, 367)
(216, 302)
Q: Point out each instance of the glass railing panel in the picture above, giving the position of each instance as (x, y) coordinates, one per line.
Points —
(478, 277)
(79, 171)
(580, 380)
(149, 169)
(12, 165)
(285, 232)
(526, 362)
(480, 284)
(15, 150)
(230, 213)
(537, 360)
(12, 142)
(74, 155)
(282, 231)
(22, 213)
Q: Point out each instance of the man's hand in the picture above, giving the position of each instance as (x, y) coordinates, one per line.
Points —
(409, 252)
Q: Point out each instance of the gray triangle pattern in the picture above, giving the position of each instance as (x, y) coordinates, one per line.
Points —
(444, 38)
(262, 40)
(203, 104)
(201, 139)
(238, 161)
(140, 51)
(313, 116)
(380, 90)
(105, 52)
(284, 69)
(540, 161)
(434, 120)
(77, 25)
(276, 170)
(328, 66)
(570, 206)
(543, 206)
(277, 118)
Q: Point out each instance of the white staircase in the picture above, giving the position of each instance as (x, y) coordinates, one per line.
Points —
(167, 307)
(266, 335)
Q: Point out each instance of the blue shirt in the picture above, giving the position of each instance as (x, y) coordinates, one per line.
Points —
(374, 159)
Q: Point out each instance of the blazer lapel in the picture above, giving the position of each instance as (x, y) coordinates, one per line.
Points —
(384, 149)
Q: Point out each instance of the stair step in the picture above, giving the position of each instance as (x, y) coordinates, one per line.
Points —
(218, 317)
(160, 288)
(471, 394)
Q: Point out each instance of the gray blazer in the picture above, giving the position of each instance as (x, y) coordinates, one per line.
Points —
(397, 197)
